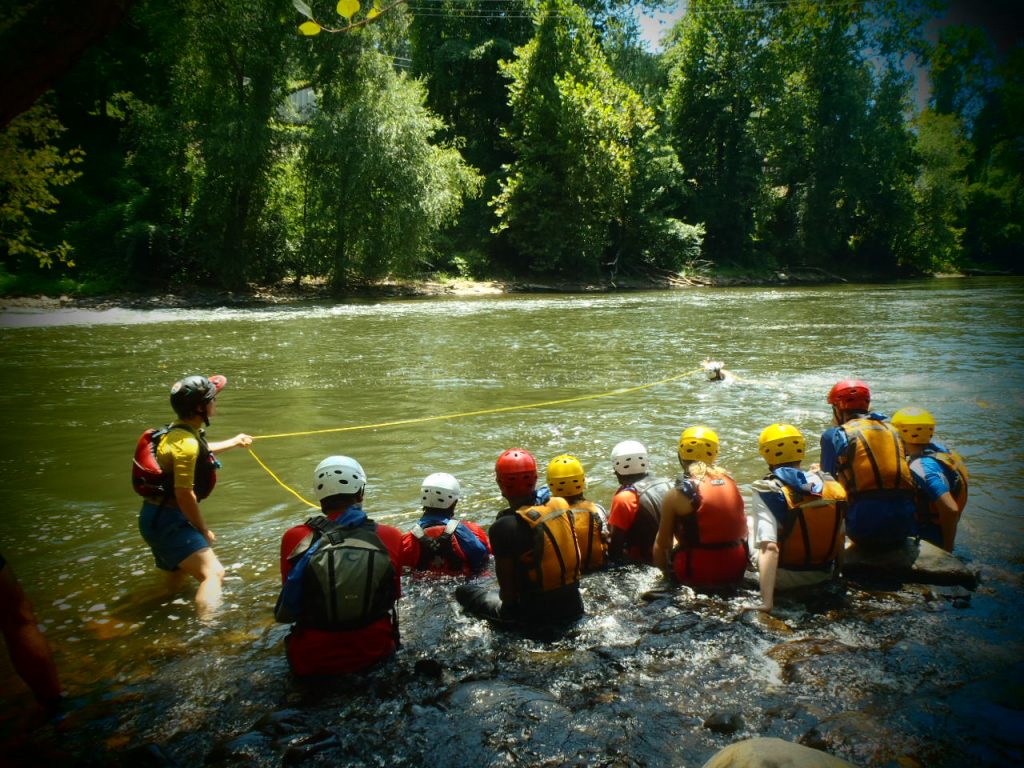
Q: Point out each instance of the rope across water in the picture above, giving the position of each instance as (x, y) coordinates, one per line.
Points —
(446, 417)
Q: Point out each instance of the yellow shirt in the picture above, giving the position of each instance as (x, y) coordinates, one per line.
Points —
(178, 453)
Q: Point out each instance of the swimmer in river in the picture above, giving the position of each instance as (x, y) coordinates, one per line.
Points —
(715, 371)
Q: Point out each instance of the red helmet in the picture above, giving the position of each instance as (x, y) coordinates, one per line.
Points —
(516, 473)
(850, 395)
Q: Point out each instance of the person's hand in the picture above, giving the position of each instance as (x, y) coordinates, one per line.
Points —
(242, 439)
(210, 536)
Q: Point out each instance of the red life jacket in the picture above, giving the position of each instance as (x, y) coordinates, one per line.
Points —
(719, 521)
(712, 545)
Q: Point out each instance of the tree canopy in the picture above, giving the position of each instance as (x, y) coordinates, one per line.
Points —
(223, 144)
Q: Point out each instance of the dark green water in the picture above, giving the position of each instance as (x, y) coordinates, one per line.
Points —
(882, 677)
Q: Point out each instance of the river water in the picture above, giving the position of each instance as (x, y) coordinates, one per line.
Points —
(910, 675)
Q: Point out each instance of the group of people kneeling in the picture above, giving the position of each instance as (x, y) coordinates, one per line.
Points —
(878, 483)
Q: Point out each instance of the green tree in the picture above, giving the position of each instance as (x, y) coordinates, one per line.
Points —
(456, 47)
(995, 200)
(940, 191)
(32, 166)
(720, 81)
(380, 189)
(564, 200)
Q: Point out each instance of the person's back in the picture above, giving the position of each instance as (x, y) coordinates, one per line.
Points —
(440, 544)
(799, 517)
(567, 480)
(536, 555)
(342, 610)
(940, 476)
(867, 456)
(539, 544)
(704, 516)
(635, 512)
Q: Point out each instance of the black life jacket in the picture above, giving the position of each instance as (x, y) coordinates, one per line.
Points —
(439, 548)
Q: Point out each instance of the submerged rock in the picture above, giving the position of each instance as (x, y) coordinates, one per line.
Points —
(773, 753)
(917, 562)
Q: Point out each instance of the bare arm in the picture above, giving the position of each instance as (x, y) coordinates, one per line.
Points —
(189, 506)
(241, 439)
(768, 567)
(674, 503)
(949, 518)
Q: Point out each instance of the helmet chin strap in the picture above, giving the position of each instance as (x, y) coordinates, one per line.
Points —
(206, 419)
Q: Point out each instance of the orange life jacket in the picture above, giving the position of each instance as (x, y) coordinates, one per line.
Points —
(719, 520)
(951, 460)
(875, 460)
(590, 523)
(554, 559)
(812, 534)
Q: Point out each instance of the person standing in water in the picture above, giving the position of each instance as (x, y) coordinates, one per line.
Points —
(440, 543)
(170, 521)
(26, 645)
(536, 555)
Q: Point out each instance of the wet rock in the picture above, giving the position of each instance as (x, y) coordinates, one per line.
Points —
(796, 655)
(863, 738)
(249, 748)
(916, 562)
(297, 754)
(283, 722)
(773, 753)
(428, 668)
(725, 722)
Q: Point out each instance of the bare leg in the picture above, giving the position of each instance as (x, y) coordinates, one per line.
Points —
(29, 651)
(207, 570)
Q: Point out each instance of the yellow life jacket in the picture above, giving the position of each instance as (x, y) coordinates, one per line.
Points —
(554, 560)
(589, 521)
(812, 535)
(875, 460)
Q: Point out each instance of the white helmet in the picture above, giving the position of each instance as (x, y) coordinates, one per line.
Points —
(439, 491)
(629, 458)
(338, 474)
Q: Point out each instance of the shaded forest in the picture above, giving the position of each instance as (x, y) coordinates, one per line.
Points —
(224, 143)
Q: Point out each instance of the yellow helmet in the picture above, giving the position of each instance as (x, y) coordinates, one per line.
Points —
(781, 444)
(698, 444)
(565, 476)
(915, 424)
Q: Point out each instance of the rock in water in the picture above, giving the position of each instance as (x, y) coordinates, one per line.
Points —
(773, 753)
(916, 562)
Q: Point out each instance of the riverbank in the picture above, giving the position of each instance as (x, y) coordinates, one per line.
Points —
(307, 290)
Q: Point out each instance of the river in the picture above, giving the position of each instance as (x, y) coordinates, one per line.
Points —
(904, 676)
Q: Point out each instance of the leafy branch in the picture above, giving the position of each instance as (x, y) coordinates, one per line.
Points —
(347, 10)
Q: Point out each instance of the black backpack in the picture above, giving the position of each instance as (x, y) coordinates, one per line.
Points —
(343, 580)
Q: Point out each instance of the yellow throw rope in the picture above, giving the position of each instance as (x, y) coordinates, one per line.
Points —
(444, 417)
